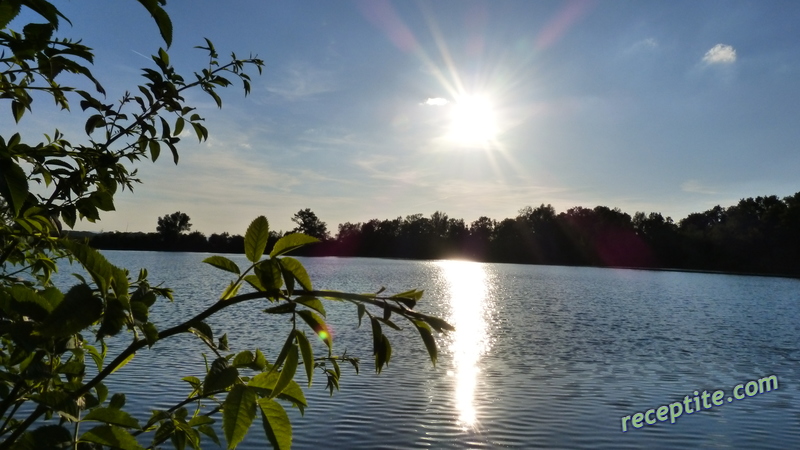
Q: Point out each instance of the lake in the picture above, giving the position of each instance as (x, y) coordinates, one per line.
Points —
(542, 356)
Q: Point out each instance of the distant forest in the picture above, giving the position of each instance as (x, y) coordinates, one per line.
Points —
(758, 235)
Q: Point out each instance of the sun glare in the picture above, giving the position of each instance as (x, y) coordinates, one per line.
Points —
(468, 286)
(472, 121)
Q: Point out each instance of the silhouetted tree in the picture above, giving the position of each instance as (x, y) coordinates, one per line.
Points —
(172, 225)
(308, 223)
(480, 234)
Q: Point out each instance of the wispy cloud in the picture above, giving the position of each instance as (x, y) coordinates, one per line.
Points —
(300, 80)
(720, 54)
(695, 186)
(391, 168)
(645, 45)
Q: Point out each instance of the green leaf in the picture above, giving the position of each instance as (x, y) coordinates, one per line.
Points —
(376, 334)
(150, 333)
(361, 310)
(94, 122)
(319, 326)
(178, 436)
(230, 291)
(112, 436)
(69, 215)
(113, 416)
(413, 294)
(213, 95)
(253, 280)
(260, 362)
(194, 382)
(97, 357)
(255, 239)
(161, 17)
(202, 133)
(60, 402)
(178, 126)
(165, 430)
(221, 262)
(8, 10)
(298, 271)
(265, 382)
(87, 209)
(291, 242)
(281, 308)
(164, 57)
(308, 354)
(18, 110)
(117, 401)
(288, 278)
(385, 355)
(102, 391)
(13, 185)
(28, 302)
(45, 437)
(390, 323)
(114, 318)
(124, 362)
(438, 324)
(223, 342)
(46, 10)
(209, 431)
(200, 420)
(103, 272)
(277, 426)
(140, 311)
(238, 413)
(202, 330)
(269, 274)
(243, 359)
(427, 338)
(311, 302)
(287, 373)
(38, 33)
(220, 376)
(79, 309)
(284, 351)
(155, 149)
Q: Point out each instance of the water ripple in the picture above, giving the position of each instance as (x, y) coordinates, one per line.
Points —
(548, 357)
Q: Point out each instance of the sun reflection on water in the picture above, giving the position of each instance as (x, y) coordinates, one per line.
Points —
(468, 292)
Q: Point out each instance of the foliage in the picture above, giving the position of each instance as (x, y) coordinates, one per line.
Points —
(171, 225)
(757, 235)
(308, 223)
(53, 353)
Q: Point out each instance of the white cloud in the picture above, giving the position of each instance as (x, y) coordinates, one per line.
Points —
(720, 54)
(438, 101)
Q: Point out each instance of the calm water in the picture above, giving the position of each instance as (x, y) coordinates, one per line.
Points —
(543, 356)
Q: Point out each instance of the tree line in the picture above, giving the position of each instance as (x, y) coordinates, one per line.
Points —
(757, 235)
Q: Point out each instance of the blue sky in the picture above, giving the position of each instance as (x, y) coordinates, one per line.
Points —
(363, 108)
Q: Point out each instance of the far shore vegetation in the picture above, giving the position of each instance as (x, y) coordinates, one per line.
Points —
(758, 235)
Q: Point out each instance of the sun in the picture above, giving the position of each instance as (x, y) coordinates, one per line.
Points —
(472, 121)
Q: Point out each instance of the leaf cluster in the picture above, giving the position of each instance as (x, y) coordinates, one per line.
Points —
(46, 333)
